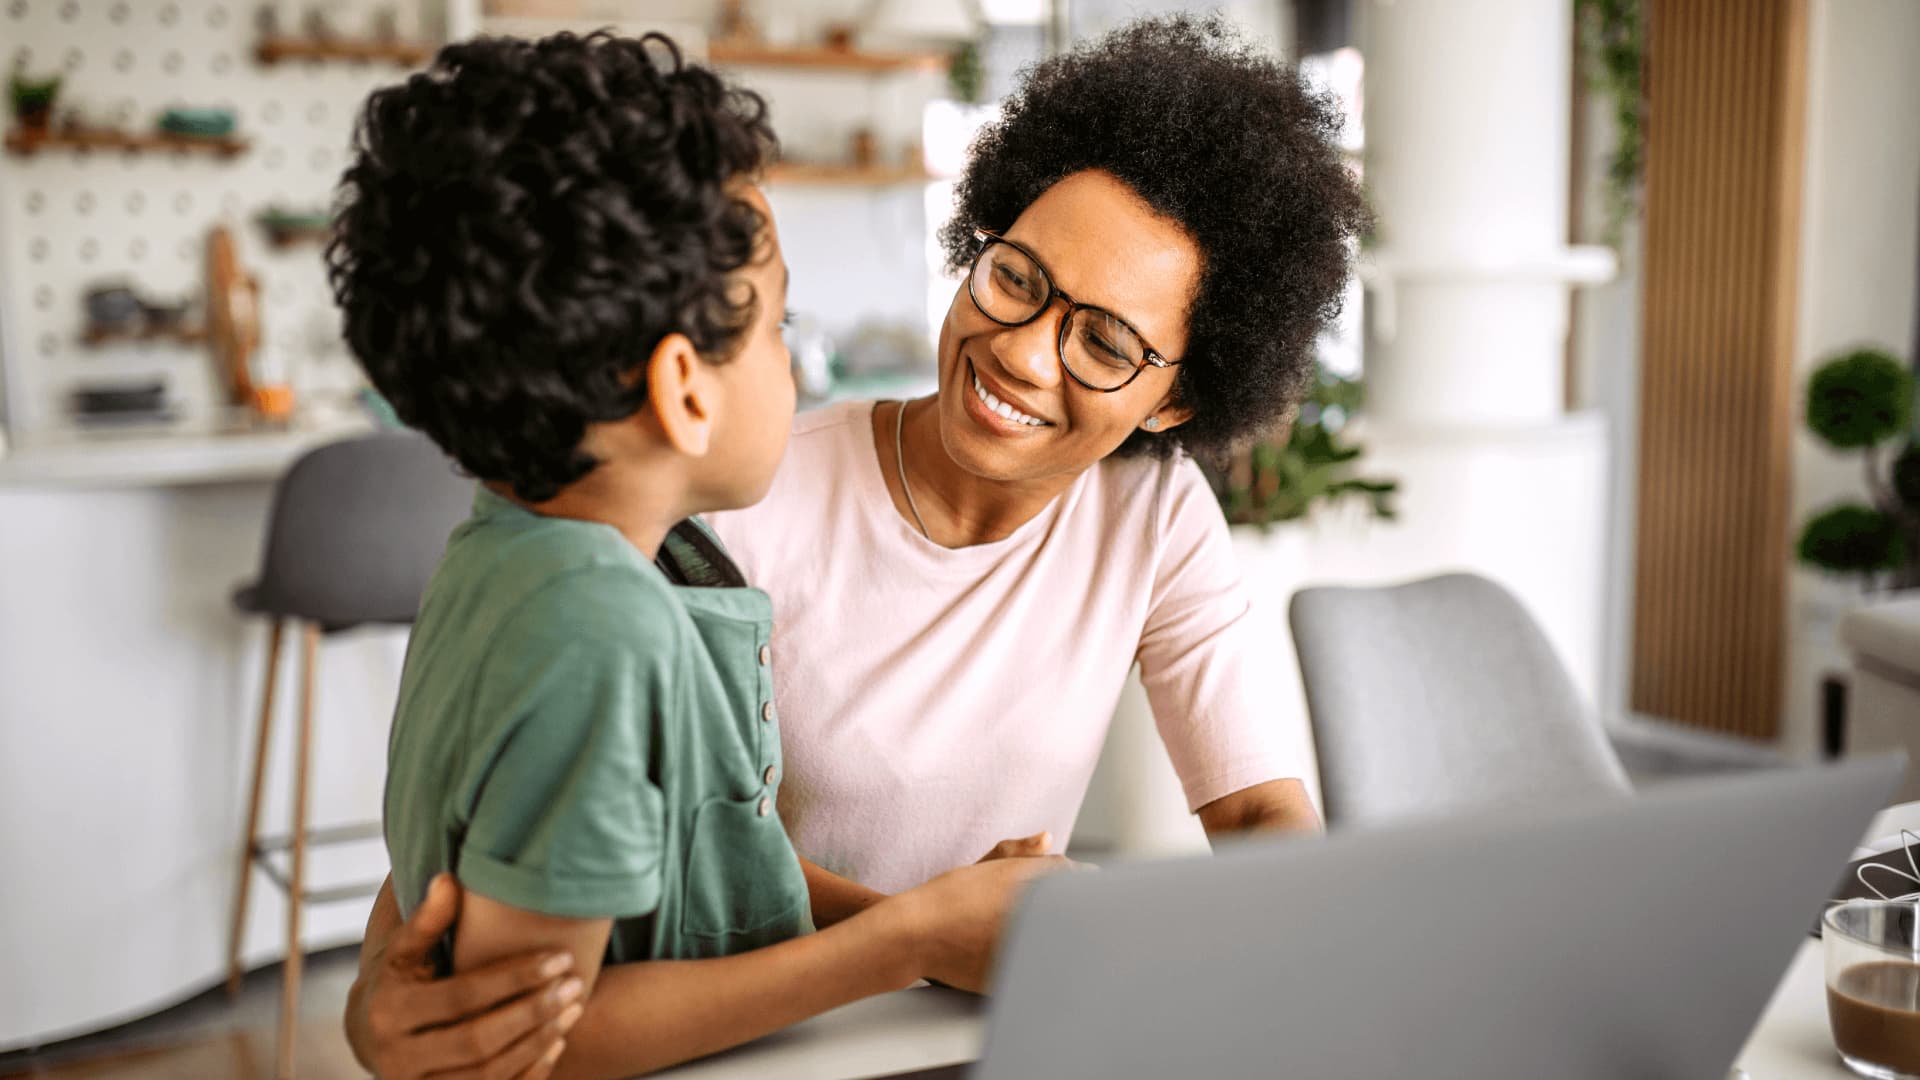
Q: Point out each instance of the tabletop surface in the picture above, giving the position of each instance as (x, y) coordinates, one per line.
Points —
(928, 1027)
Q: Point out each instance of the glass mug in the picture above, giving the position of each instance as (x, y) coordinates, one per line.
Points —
(1873, 986)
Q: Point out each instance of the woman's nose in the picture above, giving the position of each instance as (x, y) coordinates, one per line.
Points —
(1031, 353)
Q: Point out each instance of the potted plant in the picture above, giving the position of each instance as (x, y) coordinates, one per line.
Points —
(1287, 479)
(1863, 401)
(33, 99)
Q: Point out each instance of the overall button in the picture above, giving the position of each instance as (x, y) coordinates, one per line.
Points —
(766, 805)
(766, 712)
(770, 775)
(766, 656)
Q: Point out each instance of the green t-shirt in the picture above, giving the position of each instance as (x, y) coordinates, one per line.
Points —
(577, 735)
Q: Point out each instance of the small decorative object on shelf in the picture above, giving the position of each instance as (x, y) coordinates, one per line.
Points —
(320, 40)
(32, 99)
(120, 401)
(285, 228)
(861, 147)
(735, 23)
(117, 314)
(233, 329)
(202, 123)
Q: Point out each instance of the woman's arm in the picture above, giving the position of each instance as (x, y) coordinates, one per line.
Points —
(644, 1016)
(1275, 806)
(403, 1023)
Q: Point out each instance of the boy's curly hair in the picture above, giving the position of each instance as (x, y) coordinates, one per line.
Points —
(524, 222)
(1233, 146)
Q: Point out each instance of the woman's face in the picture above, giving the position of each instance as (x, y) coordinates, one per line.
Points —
(1103, 246)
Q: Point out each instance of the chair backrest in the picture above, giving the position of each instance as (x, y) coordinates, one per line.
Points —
(1438, 696)
(357, 529)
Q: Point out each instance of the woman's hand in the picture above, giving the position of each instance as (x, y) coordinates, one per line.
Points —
(961, 914)
(1023, 848)
(505, 1021)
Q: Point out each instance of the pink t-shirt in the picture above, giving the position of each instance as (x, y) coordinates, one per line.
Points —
(934, 702)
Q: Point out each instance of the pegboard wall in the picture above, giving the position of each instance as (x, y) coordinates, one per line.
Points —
(71, 221)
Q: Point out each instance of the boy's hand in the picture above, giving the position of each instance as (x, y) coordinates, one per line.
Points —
(505, 1021)
(1025, 847)
(962, 913)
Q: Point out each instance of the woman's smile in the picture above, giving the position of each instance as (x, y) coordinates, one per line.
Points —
(994, 408)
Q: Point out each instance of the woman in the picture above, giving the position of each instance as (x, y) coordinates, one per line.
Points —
(1153, 235)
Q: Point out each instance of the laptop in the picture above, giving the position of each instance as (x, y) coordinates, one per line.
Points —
(1631, 937)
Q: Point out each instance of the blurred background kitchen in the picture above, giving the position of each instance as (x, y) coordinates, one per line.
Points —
(1635, 337)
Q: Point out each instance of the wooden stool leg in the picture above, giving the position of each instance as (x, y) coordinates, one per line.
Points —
(253, 811)
(290, 992)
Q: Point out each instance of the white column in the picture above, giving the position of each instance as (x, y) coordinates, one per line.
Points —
(1467, 114)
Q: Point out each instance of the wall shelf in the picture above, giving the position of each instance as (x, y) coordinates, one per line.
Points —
(286, 236)
(821, 57)
(796, 173)
(276, 49)
(178, 335)
(25, 142)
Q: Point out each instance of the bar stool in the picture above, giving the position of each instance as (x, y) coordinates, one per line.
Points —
(356, 530)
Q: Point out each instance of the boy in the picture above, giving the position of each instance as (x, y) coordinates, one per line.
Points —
(553, 260)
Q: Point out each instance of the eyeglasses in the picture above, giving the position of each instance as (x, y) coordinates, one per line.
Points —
(1097, 348)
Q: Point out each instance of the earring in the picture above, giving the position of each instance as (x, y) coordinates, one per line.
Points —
(1152, 424)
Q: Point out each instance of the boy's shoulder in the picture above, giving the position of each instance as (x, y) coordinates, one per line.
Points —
(511, 568)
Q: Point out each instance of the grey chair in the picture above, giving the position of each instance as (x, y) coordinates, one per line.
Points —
(1443, 695)
(356, 530)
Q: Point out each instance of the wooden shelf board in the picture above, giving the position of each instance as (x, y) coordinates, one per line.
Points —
(23, 141)
(274, 50)
(285, 236)
(180, 335)
(821, 57)
(795, 172)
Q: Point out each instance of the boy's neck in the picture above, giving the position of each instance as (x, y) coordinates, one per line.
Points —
(643, 506)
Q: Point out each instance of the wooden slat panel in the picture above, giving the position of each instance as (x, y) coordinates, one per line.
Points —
(1726, 87)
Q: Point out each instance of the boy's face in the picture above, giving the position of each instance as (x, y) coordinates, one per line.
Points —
(751, 434)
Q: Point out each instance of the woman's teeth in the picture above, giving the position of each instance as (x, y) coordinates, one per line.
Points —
(1006, 411)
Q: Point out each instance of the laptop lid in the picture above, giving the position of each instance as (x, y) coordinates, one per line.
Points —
(1628, 937)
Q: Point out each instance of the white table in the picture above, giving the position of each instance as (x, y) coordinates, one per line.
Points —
(928, 1027)
(1792, 1038)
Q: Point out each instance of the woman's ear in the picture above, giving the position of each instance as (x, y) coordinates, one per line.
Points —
(1167, 416)
(682, 395)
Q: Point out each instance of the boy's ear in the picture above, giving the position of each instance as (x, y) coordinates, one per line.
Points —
(682, 394)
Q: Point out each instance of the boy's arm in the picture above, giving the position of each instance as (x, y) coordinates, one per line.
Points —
(648, 1015)
(402, 1022)
(835, 898)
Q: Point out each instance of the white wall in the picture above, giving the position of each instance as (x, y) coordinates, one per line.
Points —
(1859, 229)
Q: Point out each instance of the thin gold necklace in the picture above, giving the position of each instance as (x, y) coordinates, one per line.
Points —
(900, 463)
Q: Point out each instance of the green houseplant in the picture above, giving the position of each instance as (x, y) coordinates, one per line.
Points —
(32, 99)
(1285, 478)
(1863, 401)
(1613, 41)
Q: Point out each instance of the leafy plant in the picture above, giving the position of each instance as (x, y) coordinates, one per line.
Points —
(1284, 480)
(1859, 401)
(1613, 33)
(966, 75)
(32, 98)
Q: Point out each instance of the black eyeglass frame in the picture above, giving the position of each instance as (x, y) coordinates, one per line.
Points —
(986, 240)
